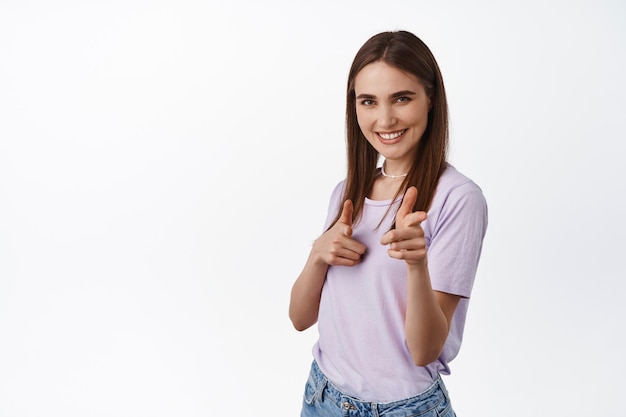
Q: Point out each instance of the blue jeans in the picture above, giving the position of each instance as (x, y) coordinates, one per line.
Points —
(322, 399)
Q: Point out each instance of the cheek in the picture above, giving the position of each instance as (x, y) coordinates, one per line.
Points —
(364, 121)
(420, 117)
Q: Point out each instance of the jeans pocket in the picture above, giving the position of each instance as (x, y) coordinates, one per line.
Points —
(434, 404)
(310, 390)
(445, 408)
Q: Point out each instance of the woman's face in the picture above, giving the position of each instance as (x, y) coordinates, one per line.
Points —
(392, 111)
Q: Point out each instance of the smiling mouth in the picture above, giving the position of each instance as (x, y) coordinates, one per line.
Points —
(391, 136)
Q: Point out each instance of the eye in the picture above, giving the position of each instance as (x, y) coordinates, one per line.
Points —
(367, 102)
(403, 99)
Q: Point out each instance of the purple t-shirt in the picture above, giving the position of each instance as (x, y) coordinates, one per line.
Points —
(361, 347)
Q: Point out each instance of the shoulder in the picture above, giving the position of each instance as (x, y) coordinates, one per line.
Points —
(336, 196)
(453, 183)
(334, 202)
(339, 189)
(459, 195)
(452, 178)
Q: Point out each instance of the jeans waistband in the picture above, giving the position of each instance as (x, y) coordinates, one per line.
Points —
(431, 396)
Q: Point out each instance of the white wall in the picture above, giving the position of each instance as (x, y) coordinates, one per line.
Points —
(164, 167)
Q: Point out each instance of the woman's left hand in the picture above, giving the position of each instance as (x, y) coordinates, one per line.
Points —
(407, 240)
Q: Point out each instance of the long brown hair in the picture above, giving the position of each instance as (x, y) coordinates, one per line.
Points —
(408, 53)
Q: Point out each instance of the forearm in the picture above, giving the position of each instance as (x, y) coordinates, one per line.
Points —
(426, 325)
(306, 293)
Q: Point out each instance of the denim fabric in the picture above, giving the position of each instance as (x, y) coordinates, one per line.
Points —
(322, 399)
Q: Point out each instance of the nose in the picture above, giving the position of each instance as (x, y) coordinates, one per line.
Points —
(386, 117)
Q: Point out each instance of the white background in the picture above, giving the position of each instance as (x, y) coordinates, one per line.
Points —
(165, 166)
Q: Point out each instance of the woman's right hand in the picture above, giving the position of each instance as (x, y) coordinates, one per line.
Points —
(336, 246)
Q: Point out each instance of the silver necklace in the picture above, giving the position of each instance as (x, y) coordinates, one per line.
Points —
(382, 171)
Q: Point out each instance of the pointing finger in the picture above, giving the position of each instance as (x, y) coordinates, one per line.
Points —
(415, 218)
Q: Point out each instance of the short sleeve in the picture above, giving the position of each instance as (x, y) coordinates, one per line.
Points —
(456, 240)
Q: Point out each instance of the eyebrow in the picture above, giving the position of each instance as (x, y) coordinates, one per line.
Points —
(394, 95)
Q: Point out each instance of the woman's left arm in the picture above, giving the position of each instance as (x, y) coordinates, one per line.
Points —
(429, 313)
(428, 316)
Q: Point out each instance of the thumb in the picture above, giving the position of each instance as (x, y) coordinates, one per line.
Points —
(346, 213)
(346, 217)
(408, 201)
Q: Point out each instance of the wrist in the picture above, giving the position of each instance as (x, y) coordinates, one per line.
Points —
(419, 268)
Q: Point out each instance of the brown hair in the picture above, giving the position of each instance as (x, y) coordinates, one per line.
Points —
(408, 53)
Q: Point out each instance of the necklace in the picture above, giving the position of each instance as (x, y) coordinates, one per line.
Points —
(382, 171)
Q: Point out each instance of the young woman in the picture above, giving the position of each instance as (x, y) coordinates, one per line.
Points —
(388, 282)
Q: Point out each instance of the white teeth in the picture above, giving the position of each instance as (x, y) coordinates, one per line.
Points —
(389, 136)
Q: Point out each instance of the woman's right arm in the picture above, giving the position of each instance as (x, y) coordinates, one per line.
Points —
(334, 247)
